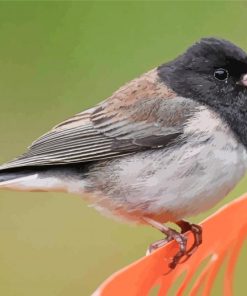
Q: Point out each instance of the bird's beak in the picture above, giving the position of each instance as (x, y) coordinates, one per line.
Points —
(244, 80)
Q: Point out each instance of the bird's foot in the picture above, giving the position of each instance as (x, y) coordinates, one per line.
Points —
(171, 234)
(197, 233)
(180, 238)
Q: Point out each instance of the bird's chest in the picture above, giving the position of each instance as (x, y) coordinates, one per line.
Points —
(204, 175)
(180, 181)
(196, 175)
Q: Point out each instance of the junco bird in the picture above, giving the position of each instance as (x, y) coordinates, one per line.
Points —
(165, 146)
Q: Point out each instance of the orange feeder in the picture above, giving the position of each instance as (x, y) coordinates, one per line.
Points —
(223, 235)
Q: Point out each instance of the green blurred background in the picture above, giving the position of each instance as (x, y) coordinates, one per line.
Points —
(56, 59)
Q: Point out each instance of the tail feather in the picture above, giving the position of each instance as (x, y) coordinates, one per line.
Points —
(42, 179)
(10, 176)
(17, 180)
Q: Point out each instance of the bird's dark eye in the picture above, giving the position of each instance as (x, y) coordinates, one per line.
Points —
(221, 74)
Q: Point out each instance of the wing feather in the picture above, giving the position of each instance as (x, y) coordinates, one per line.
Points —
(144, 114)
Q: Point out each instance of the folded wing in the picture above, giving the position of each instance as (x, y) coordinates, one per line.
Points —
(144, 114)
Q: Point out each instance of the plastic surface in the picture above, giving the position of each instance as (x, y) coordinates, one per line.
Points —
(223, 236)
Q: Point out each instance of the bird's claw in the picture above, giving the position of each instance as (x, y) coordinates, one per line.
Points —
(181, 239)
(172, 235)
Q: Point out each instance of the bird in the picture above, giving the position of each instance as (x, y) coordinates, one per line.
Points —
(164, 147)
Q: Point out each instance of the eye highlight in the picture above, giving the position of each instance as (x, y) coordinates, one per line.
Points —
(221, 74)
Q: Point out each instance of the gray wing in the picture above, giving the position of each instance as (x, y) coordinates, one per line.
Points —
(118, 126)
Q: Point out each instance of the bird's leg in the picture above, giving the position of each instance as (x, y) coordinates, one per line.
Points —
(171, 234)
(197, 233)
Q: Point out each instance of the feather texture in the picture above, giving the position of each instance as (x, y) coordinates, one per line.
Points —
(143, 114)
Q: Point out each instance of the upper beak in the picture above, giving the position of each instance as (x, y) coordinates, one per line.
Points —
(244, 80)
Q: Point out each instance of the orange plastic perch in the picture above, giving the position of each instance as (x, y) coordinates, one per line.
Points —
(223, 236)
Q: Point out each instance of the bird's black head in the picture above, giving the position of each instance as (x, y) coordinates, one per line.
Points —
(213, 72)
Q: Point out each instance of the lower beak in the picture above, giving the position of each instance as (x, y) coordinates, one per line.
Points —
(244, 80)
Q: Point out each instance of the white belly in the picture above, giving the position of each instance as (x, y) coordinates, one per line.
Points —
(183, 181)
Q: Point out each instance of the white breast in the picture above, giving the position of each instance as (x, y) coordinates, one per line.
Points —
(181, 181)
(205, 172)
